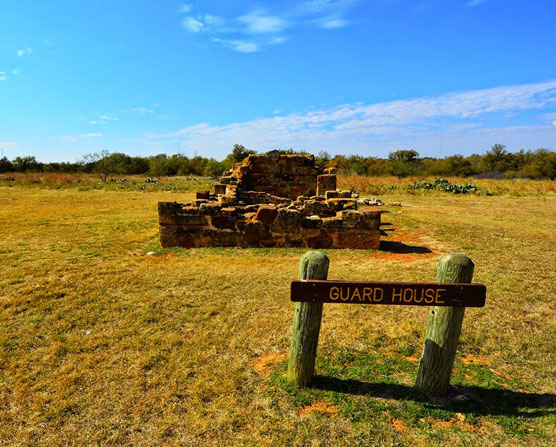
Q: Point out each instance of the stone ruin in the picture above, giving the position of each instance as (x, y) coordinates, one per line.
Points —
(273, 200)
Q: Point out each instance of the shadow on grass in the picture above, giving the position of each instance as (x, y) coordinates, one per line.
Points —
(401, 248)
(481, 401)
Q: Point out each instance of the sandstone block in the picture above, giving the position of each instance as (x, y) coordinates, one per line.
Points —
(219, 188)
(352, 219)
(287, 221)
(311, 222)
(209, 209)
(203, 195)
(222, 238)
(254, 232)
(325, 182)
(224, 222)
(332, 222)
(229, 211)
(321, 240)
(341, 204)
(338, 194)
(371, 218)
(266, 214)
(174, 236)
(357, 239)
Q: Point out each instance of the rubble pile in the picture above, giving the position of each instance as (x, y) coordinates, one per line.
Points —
(273, 200)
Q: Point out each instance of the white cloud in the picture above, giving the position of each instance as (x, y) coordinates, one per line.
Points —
(193, 25)
(186, 8)
(357, 127)
(257, 22)
(68, 138)
(3, 76)
(91, 135)
(241, 46)
(476, 2)
(548, 116)
(141, 110)
(16, 71)
(5, 144)
(333, 23)
(26, 51)
(259, 29)
(109, 118)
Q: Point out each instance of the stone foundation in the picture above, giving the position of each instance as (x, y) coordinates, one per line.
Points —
(269, 200)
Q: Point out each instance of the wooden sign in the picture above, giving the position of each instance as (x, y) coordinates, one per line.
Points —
(396, 293)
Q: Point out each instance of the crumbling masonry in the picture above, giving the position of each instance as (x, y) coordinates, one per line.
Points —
(273, 200)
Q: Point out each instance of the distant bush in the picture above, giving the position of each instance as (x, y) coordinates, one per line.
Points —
(496, 163)
(442, 184)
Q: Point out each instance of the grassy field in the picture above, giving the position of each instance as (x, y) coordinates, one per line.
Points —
(101, 344)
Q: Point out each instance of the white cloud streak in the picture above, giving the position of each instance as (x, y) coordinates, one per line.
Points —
(3, 76)
(358, 127)
(476, 2)
(91, 135)
(141, 110)
(259, 29)
(67, 138)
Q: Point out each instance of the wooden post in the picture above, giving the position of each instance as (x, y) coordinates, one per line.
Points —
(306, 323)
(443, 329)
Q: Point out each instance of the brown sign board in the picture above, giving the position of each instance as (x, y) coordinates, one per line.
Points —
(394, 293)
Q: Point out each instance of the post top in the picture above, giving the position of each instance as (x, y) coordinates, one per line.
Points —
(456, 259)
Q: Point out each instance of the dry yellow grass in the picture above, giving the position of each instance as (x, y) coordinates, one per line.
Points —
(103, 345)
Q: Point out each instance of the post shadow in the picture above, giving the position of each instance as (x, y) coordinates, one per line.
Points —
(477, 400)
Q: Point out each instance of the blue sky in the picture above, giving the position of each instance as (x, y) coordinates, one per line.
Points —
(346, 76)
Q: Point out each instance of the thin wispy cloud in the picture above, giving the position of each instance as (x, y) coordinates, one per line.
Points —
(16, 71)
(360, 126)
(5, 144)
(186, 8)
(104, 119)
(3, 76)
(91, 135)
(25, 52)
(476, 2)
(260, 28)
(141, 110)
(67, 138)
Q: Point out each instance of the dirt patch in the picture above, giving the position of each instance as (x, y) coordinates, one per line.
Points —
(410, 246)
(399, 425)
(475, 359)
(263, 364)
(319, 407)
(459, 422)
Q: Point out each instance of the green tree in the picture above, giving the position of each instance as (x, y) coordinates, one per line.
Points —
(322, 159)
(240, 152)
(403, 163)
(5, 165)
(104, 164)
(25, 164)
(495, 159)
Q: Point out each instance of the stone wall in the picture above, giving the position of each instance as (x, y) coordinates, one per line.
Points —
(211, 224)
(287, 176)
(270, 200)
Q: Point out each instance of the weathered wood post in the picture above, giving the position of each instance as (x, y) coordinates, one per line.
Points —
(306, 323)
(443, 329)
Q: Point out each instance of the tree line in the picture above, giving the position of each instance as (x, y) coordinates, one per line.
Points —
(495, 163)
